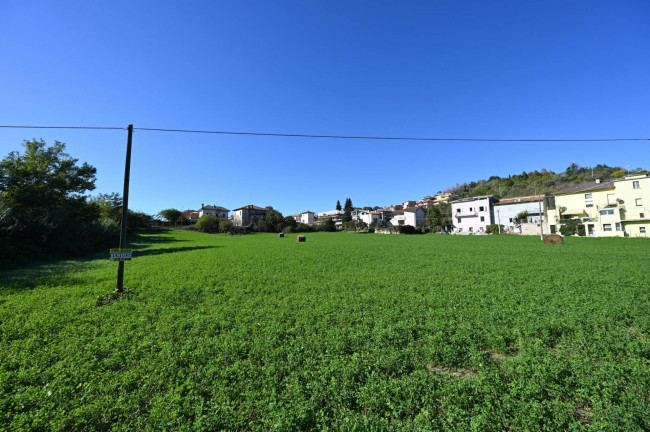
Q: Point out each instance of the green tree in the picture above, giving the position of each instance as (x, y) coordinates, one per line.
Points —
(520, 218)
(172, 215)
(338, 205)
(328, 225)
(438, 217)
(347, 211)
(44, 177)
(273, 219)
(208, 223)
(110, 205)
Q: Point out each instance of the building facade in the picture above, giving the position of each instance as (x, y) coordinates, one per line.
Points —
(506, 211)
(473, 214)
(244, 216)
(614, 208)
(220, 212)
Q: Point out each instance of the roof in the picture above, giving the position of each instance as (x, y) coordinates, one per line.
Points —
(250, 207)
(474, 198)
(217, 208)
(330, 213)
(517, 200)
(583, 187)
(413, 209)
(307, 212)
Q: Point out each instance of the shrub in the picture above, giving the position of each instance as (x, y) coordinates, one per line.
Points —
(208, 223)
(301, 227)
(225, 226)
(408, 229)
(494, 229)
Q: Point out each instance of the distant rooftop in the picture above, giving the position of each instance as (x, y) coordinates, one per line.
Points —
(589, 186)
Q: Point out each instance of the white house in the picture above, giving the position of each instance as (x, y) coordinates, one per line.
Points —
(507, 209)
(413, 216)
(306, 218)
(245, 216)
(472, 214)
(220, 212)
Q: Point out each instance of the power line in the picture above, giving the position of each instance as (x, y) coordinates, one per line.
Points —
(354, 137)
(65, 127)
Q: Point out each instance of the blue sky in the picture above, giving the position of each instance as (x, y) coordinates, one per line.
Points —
(551, 69)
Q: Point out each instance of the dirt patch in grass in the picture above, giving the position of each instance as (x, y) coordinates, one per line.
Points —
(583, 414)
(458, 373)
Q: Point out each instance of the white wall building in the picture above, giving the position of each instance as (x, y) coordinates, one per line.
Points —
(507, 209)
(306, 218)
(472, 214)
(220, 212)
(413, 216)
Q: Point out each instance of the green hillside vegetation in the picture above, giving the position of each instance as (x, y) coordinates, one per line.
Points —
(344, 332)
(544, 182)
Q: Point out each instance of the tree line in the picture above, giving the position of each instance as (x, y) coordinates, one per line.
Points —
(45, 212)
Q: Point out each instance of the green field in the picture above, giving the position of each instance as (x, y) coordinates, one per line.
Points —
(344, 332)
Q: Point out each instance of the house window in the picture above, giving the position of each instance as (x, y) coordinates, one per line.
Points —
(635, 185)
(471, 209)
(606, 212)
(510, 220)
(589, 203)
(457, 210)
(482, 218)
(641, 215)
(618, 226)
(607, 227)
(471, 229)
(481, 209)
(642, 230)
(588, 196)
(639, 201)
(458, 220)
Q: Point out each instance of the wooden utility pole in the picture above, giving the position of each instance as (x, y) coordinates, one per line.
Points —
(125, 210)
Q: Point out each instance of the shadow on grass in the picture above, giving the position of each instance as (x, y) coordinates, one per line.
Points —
(60, 271)
(147, 252)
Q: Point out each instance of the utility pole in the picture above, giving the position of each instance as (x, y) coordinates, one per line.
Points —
(125, 209)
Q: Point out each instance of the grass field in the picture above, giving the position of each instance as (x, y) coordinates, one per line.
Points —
(343, 332)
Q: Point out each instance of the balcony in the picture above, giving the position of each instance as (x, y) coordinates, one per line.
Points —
(463, 214)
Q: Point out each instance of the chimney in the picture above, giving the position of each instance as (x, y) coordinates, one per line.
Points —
(597, 181)
(202, 205)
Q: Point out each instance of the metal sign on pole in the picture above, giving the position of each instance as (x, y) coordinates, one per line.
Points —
(125, 211)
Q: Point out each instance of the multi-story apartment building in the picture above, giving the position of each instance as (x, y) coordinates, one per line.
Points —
(614, 208)
(472, 214)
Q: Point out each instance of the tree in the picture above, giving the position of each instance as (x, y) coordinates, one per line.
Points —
(172, 215)
(328, 225)
(520, 218)
(289, 221)
(338, 205)
(44, 208)
(110, 205)
(208, 223)
(44, 177)
(273, 219)
(438, 217)
(347, 211)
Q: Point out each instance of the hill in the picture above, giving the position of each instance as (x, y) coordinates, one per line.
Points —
(544, 181)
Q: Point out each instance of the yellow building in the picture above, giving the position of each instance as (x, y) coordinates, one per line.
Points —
(614, 208)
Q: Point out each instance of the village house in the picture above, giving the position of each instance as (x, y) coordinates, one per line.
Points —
(473, 214)
(336, 215)
(306, 218)
(440, 197)
(244, 216)
(506, 210)
(615, 208)
(413, 216)
(220, 212)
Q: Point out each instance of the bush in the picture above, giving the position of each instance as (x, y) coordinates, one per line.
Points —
(494, 229)
(408, 229)
(301, 228)
(328, 225)
(225, 226)
(208, 223)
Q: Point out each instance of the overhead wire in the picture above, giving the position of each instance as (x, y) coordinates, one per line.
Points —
(350, 137)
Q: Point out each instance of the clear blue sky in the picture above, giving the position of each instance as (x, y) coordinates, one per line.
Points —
(551, 69)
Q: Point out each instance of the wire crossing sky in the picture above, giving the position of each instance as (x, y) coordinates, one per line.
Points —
(298, 104)
(262, 134)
